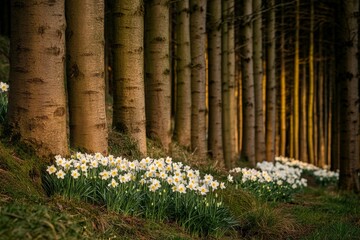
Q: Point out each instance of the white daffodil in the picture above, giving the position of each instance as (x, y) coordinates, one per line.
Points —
(75, 174)
(51, 169)
(60, 174)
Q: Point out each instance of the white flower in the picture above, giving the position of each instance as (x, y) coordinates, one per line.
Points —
(60, 174)
(94, 164)
(222, 185)
(230, 178)
(214, 184)
(181, 188)
(203, 190)
(114, 172)
(4, 87)
(83, 167)
(104, 175)
(75, 174)
(51, 169)
(113, 183)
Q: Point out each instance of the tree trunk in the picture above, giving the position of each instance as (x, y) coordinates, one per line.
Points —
(311, 88)
(85, 75)
(271, 83)
(129, 89)
(320, 109)
(158, 78)
(231, 79)
(198, 77)
(37, 100)
(260, 148)
(296, 117)
(248, 149)
(349, 99)
(282, 87)
(215, 103)
(303, 124)
(182, 131)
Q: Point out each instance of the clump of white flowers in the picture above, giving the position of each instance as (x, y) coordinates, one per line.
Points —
(271, 181)
(155, 188)
(322, 175)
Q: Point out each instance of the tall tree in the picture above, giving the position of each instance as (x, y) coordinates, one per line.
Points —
(271, 85)
(248, 149)
(311, 88)
(198, 77)
(37, 101)
(128, 54)
(296, 114)
(85, 75)
(349, 99)
(260, 147)
(226, 111)
(215, 143)
(182, 131)
(282, 85)
(157, 75)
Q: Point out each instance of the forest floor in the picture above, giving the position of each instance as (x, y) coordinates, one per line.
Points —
(27, 213)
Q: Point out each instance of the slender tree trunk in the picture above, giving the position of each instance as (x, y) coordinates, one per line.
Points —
(260, 148)
(296, 114)
(349, 99)
(198, 77)
(157, 72)
(231, 79)
(283, 87)
(311, 88)
(85, 75)
(37, 100)
(182, 132)
(320, 101)
(248, 148)
(129, 89)
(315, 124)
(215, 143)
(303, 124)
(226, 118)
(271, 84)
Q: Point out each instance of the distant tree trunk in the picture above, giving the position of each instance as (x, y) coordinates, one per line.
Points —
(37, 100)
(85, 75)
(295, 136)
(248, 148)
(271, 83)
(129, 89)
(215, 103)
(182, 131)
(320, 101)
(157, 72)
(226, 121)
(349, 99)
(198, 77)
(283, 87)
(231, 79)
(311, 88)
(315, 124)
(303, 124)
(260, 148)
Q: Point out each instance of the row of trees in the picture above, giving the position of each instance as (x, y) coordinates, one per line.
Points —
(224, 78)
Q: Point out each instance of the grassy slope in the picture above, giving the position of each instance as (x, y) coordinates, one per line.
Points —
(26, 213)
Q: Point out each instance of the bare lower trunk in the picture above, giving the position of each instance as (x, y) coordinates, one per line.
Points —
(37, 100)
(85, 75)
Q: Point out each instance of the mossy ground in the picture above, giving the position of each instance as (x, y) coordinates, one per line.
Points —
(27, 213)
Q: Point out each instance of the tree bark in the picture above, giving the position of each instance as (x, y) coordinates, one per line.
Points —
(85, 75)
(37, 101)
(157, 76)
(296, 117)
(198, 77)
(182, 131)
(311, 88)
(215, 143)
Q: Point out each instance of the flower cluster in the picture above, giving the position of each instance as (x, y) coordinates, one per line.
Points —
(322, 176)
(271, 181)
(4, 87)
(154, 188)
